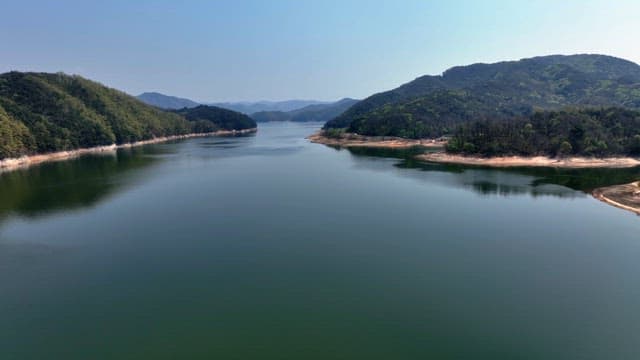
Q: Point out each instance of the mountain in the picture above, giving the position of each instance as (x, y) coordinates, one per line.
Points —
(432, 106)
(208, 118)
(165, 101)
(316, 112)
(42, 112)
(258, 106)
(174, 103)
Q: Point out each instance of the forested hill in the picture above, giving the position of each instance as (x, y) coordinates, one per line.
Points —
(434, 105)
(315, 112)
(587, 132)
(206, 118)
(42, 112)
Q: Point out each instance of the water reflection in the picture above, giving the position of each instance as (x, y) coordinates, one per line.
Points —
(267, 144)
(387, 260)
(72, 184)
(506, 181)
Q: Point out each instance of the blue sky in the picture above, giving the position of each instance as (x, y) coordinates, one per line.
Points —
(275, 50)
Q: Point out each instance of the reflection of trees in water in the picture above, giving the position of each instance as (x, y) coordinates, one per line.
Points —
(504, 181)
(492, 188)
(589, 179)
(70, 184)
(384, 152)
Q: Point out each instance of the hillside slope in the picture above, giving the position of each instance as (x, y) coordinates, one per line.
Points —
(434, 105)
(206, 118)
(42, 112)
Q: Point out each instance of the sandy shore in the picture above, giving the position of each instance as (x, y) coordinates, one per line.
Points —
(538, 161)
(352, 140)
(26, 161)
(625, 197)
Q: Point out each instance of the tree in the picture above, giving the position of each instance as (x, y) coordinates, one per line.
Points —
(565, 149)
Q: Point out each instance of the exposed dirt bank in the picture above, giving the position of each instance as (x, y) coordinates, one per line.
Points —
(626, 196)
(353, 140)
(537, 161)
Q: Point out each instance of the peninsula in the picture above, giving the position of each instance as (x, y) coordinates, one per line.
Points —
(625, 196)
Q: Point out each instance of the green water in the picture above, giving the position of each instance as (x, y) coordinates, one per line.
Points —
(269, 247)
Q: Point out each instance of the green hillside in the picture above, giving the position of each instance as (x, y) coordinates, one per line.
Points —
(434, 105)
(206, 118)
(43, 112)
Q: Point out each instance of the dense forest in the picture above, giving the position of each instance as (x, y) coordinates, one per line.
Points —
(43, 112)
(314, 112)
(435, 105)
(206, 118)
(587, 132)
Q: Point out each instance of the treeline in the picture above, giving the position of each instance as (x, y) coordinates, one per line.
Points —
(586, 132)
(43, 112)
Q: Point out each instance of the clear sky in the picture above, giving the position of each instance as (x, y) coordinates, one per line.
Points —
(275, 50)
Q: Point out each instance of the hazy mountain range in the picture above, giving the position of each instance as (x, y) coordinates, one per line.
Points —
(316, 112)
(254, 107)
(247, 107)
(261, 111)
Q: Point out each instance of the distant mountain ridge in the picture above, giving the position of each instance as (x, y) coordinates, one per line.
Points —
(249, 107)
(165, 101)
(169, 102)
(434, 105)
(316, 112)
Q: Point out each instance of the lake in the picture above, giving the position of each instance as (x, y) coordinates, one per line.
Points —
(270, 247)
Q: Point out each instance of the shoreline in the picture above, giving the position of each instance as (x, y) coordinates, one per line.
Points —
(626, 196)
(575, 162)
(10, 164)
(353, 140)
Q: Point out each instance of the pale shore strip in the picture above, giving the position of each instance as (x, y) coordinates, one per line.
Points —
(625, 196)
(352, 140)
(10, 164)
(536, 161)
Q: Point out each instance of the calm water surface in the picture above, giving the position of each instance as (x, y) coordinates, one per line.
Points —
(269, 247)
